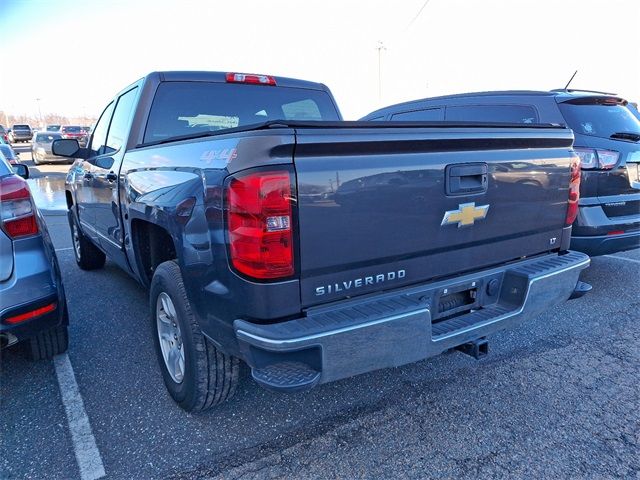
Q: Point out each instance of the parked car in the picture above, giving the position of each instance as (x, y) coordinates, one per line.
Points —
(209, 188)
(4, 134)
(21, 133)
(41, 148)
(74, 131)
(9, 154)
(33, 307)
(607, 140)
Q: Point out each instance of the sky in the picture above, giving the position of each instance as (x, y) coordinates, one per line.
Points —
(74, 56)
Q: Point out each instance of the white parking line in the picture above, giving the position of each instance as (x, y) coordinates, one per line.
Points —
(84, 443)
(633, 260)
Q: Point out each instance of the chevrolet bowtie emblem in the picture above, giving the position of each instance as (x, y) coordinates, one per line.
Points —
(465, 215)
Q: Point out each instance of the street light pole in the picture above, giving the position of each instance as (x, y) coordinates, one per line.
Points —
(380, 48)
(39, 112)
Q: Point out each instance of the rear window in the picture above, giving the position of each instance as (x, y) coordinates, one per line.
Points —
(492, 113)
(600, 120)
(72, 129)
(47, 137)
(427, 115)
(183, 108)
(21, 127)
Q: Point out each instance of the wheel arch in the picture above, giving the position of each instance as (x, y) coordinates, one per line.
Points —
(152, 245)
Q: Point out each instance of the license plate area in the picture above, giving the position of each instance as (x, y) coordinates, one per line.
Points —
(465, 298)
(454, 301)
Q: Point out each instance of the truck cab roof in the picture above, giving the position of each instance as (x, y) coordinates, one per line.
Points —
(204, 76)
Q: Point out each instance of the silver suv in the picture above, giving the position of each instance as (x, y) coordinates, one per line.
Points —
(33, 307)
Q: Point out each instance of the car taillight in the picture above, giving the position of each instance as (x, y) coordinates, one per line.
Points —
(250, 78)
(31, 314)
(17, 213)
(574, 191)
(260, 222)
(593, 158)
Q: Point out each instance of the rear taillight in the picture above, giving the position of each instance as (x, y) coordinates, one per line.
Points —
(574, 191)
(260, 222)
(592, 158)
(250, 78)
(17, 213)
(31, 314)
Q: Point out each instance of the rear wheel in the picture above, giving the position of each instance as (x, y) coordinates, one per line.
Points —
(88, 256)
(196, 374)
(48, 343)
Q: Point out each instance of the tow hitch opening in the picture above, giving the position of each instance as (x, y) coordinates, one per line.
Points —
(477, 349)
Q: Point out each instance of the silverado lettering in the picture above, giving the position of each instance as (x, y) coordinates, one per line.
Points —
(360, 282)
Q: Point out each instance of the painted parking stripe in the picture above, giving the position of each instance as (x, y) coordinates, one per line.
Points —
(84, 443)
(633, 260)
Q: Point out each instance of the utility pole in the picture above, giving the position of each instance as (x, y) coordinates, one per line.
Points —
(380, 48)
(39, 112)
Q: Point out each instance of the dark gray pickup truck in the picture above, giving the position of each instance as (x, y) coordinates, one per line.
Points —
(270, 231)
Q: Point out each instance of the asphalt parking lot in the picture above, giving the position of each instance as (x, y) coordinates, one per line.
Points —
(556, 398)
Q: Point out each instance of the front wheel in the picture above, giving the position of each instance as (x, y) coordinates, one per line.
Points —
(88, 256)
(196, 374)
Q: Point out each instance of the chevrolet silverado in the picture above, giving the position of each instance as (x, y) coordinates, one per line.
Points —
(270, 231)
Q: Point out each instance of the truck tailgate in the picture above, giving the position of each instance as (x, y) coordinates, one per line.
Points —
(385, 207)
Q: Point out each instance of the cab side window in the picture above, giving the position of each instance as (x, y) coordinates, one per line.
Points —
(120, 123)
(99, 137)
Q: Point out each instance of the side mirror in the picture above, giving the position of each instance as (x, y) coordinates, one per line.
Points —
(65, 147)
(21, 170)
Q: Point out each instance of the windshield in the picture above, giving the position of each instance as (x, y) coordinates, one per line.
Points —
(7, 151)
(183, 108)
(4, 165)
(600, 120)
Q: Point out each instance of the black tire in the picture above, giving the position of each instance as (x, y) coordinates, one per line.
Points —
(88, 256)
(48, 343)
(210, 377)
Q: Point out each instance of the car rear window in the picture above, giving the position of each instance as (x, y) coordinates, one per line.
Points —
(21, 127)
(183, 108)
(492, 113)
(72, 129)
(47, 137)
(600, 120)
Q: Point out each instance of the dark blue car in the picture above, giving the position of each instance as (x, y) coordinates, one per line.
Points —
(607, 140)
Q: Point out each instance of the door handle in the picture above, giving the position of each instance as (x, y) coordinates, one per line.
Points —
(112, 177)
(466, 179)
